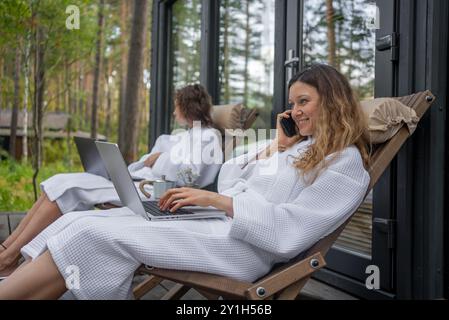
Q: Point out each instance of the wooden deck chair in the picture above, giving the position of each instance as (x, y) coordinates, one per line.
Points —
(286, 281)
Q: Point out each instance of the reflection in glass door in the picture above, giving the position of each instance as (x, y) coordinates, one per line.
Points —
(336, 32)
(246, 55)
(185, 44)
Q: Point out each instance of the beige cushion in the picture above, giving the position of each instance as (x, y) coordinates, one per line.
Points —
(386, 116)
(228, 116)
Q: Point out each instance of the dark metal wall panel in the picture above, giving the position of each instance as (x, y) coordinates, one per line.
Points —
(383, 194)
(421, 162)
(402, 271)
(430, 163)
(279, 100)
(210, 30)
(159, 115)
(446, 189)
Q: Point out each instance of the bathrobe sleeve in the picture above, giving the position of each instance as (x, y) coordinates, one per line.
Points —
(204, 158)
(158, 147)
(287, 229)
(236, 171)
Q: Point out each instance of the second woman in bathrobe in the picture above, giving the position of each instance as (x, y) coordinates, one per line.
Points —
(172, 156)
(278, 203)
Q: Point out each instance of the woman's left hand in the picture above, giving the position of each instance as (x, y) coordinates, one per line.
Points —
(151, 160)
(174, 199)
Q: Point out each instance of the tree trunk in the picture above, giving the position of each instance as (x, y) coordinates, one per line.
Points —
(339, 35)
(68, 89)
(26, 71)
(108, 99)
(39, 86)
(124, 12)
(351, 45)
(88, 101)
(134, 78)
(58, 93)
(81, 86)
(1, 77)
(15, 106)
(331, 32)
(94, 120)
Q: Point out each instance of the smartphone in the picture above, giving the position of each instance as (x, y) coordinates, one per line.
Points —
(289, 127)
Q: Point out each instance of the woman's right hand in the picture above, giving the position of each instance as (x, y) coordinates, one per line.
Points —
(282, 140)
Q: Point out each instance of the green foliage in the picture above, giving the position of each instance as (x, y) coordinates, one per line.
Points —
(68, 64)
(16, 182)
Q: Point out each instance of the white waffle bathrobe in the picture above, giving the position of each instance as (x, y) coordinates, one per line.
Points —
(276, 217)
(81, 191)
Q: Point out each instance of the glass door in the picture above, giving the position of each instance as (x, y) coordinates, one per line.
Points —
(344, 34)
(184, 47)
(246, 55)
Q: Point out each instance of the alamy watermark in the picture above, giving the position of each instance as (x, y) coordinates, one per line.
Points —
(72, 282)
(205, 147)
(372, 19)
(73, 20)
(372, 282)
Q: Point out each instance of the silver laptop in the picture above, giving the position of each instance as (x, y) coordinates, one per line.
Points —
(129, 197)
(90, 158)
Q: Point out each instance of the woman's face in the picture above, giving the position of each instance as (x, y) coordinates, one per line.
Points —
(305, 101)
(179, 116)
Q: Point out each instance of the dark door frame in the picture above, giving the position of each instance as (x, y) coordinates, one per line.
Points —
(159, 117)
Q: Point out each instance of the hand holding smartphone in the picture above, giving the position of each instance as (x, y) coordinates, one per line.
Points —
(289, 125)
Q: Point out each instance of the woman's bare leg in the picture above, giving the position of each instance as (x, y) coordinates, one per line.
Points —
(46, 214)
(24, 222)
(39, 279)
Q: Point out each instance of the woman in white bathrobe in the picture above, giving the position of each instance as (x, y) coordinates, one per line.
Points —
(172, 156)
(277, 204)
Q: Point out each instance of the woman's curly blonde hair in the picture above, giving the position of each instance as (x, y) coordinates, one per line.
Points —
(340, 122)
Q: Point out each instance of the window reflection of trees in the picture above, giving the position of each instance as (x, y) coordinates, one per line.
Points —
(335, 31)
(246, 45)
(186, 42)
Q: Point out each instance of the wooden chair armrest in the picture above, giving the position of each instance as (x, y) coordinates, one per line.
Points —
(278, 281)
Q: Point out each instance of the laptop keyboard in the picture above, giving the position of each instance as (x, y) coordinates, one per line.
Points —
(152, 208)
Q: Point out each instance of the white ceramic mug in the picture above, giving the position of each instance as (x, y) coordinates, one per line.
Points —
(159, 187)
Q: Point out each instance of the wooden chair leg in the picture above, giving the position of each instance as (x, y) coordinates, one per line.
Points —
(148, 284)
(176, 292)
